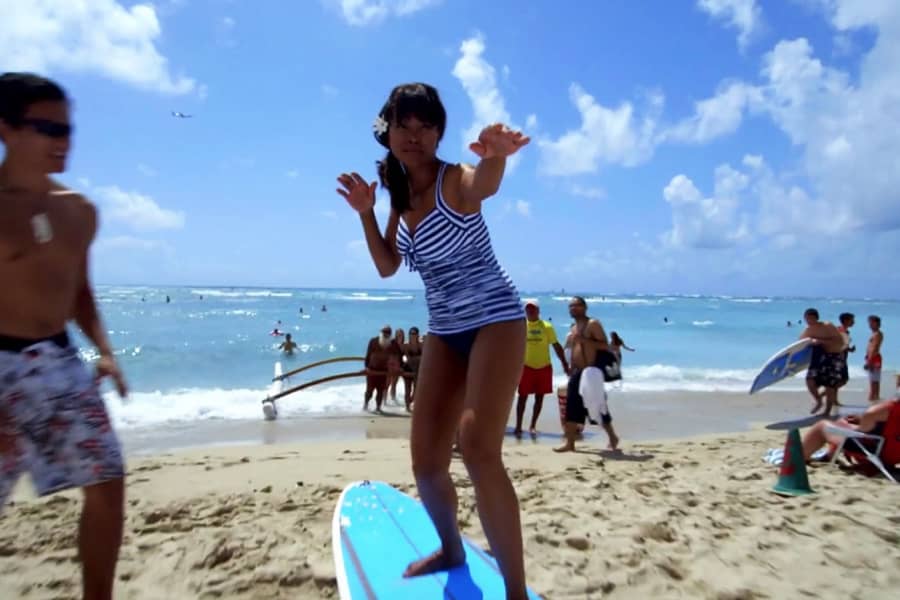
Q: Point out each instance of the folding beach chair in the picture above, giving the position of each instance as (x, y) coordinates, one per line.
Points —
(880, 451)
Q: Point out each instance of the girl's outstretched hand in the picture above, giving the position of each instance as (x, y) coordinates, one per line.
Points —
(498, 140)
(359, 193)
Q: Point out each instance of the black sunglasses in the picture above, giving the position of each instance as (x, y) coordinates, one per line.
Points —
(52, 129)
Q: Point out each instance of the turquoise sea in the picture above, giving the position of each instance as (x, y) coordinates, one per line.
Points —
(208, 353)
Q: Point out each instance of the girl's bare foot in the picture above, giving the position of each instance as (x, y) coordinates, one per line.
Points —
(565, 448)
(436, 561)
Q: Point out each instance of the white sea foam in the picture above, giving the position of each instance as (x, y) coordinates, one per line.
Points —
(364, 297)
(149, 409)
(612, 300)
(242, 293)
(155, 409)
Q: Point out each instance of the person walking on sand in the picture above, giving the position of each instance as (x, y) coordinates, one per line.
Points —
(381, 361)
(53, 421)
(475, 347)
(397, 364)
(826, 367)
(537, 374)
(586, 339)
(873, 358)
(412, 350)
(847, 320)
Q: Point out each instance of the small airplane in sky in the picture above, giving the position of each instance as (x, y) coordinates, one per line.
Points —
(181, 115)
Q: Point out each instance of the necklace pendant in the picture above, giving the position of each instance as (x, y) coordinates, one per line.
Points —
(40, 226)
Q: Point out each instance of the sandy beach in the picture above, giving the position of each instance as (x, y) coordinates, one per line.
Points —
(677, 518)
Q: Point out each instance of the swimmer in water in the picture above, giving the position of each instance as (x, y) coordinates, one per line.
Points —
(288, 345)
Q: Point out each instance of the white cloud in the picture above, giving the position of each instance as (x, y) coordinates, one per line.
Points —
(329, 214)
(846, 130)
(329, 90)
(361, 13)
(754, 161)
(743, 15)
(146, 170)
(714, 117)
(127, 242)
(225, 32)
(100, 37)
(603, 265)
(136, 210)
(756, 203)
(531, 121)
(479, 80)
(842, 126)
(382, 206)
(606, 135)
(292, 173)
(523, 208)
(593, 193)
(713, 222)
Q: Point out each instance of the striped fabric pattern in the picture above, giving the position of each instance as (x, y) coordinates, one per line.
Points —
(465, 286)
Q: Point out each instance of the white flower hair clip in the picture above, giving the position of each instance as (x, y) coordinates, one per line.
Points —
(380, 126)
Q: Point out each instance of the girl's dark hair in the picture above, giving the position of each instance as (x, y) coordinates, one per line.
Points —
(614, 337)
(18, 91)
(418, 100)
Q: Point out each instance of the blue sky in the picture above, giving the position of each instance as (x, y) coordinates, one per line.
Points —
(691, 146)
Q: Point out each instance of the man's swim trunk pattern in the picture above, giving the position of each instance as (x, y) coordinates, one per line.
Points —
(53, 423)
(827, 370)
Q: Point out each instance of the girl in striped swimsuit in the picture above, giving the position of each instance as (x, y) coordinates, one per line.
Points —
(472, 361)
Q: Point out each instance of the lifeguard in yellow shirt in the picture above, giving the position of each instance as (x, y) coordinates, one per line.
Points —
(537, 374)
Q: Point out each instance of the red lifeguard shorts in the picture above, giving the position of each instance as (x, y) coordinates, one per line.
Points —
(536, 381)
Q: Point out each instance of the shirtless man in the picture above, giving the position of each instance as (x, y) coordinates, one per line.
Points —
(288, 345)
(873, 358)
(585, 340)
(381, 354)
(848, 320)
(826, 370)
(53, 422)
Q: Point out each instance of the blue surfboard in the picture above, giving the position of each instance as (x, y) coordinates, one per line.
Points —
(378, 530)
(785, 363)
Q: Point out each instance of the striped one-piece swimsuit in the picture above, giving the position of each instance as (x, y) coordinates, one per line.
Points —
(465, 286)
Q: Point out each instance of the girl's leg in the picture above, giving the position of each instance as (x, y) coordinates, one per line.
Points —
(440, 389)
(495, 366)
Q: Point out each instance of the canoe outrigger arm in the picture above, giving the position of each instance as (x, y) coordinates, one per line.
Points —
(277, 391)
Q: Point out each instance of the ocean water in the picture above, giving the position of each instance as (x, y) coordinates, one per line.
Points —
(208, 353)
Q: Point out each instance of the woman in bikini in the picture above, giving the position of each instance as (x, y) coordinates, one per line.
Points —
(413, 352)
(397, 366)
(616, 344)
(475, 349)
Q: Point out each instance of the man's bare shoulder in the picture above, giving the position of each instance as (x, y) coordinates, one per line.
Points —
(73, 197)
(79, 204)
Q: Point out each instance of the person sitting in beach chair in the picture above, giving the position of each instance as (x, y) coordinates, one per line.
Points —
(872, 437)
